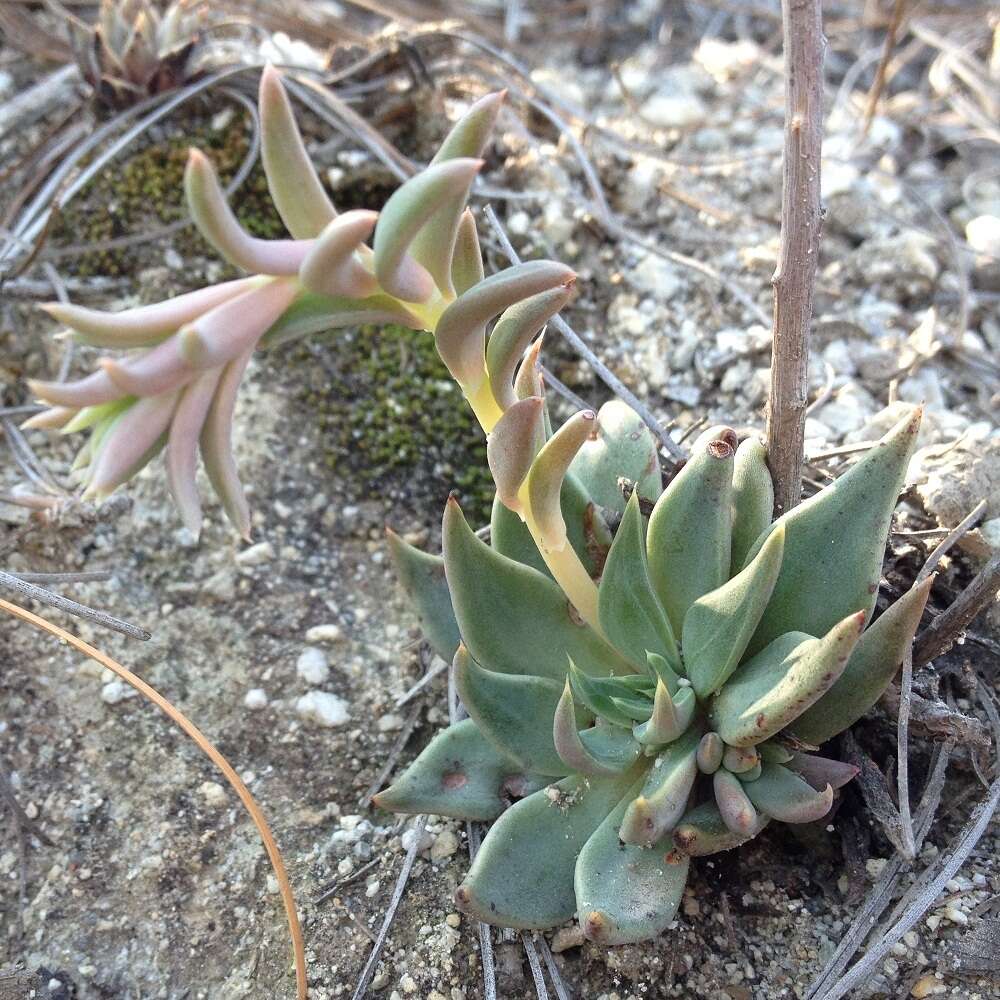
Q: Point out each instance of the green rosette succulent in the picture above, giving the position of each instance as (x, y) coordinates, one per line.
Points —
(643, 697)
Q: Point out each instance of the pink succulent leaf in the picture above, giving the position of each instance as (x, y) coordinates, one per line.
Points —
(50, 419)
(159, 370)
(822, 771)
(332, 266)
(215, 220)
(512, 445)
(144, 326)
(236, 326)
(217, 446)
(96, 388)
(182, 446)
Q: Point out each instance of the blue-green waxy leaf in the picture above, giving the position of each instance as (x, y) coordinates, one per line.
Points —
(510, 537)
(835, 541)
(467, 258)
(740, 760)
(658, 667)
(735, 808)
(513, 711)
(461, 774)
(711, 750)
(422, 578)
(601, 751)
(523, 873)
(720, 624)
(598, 697)
(672, 714)
(753, 499)
(655, 811)
(689, 529)
(874, 663)
(626, 893)
(512, 618)
(773, 753)
(703, 831)
(470, 134)
(623, 448)
(783, 795)
(629, 612)
(778, 684)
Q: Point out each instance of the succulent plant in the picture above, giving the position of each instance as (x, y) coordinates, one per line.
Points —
(641, 699)
(178, 386)
(133, 50)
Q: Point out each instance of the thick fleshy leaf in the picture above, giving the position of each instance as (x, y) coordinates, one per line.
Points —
(753, 499)
(711, 750)
(623, 448)
(333, 266)
(93, 390)
(630, 614)
(435, 196)
(216, 222)
(719, 625)
(467, 257)
(626, 893)
(778, 684)
(672, 714)
(470, 134)
(523, 873)
(658, 807)
(773, 753)
(835, 541)
(421, 575)
(703, 831)
(529, 380)
(512, 445)
(735, 808)
(820, 771)
(292, 181)
(607, 750)
(783, 795)
(872, 665)
(689, 529)
(740, 760)
(599, 697)
(513, 711)
(54, 418)
(461, 774)
(143, 326)
(460, 334)
(511, 617)
(514, 331)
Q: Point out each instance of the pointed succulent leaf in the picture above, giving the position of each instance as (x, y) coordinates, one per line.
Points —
(514, 332)
(442, 188)
(688, 535)
(333, 266)
(739, 760)
(671, 716)
(512, 618)
(421, 575)
(719, 625)
(821, 771)
(510, 537)
(753, 499)
(778, 684)
(90, 416)
(598, 698)
(630, 614)
(711, 750)
(292, 181)
(626, 893)
(773, 753)
(529, 381)
(623, 448)
(513, 711)
(608, 750)
(460, 774)
(143, 326)
(511, 448)
(215, 220)
(703, 831)
(467, 257)
(783, 795)
(93, 390)
(539, 839)
(461, 331)
(470, 134)
(835, 541)
(54, 418)
(736, 810)
(658, 807)
(161, 369)
(659, 667)
(874, 663)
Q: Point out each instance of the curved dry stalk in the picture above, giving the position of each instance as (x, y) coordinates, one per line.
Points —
(244, 794)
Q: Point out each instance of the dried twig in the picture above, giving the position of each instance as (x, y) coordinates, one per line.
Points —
(798, 256)
(550, 963)
(536, 967)
(878, 84)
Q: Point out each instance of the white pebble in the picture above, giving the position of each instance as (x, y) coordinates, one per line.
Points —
(419, 838)
(257, 554)
(389, 723)
(312, 666)
(213, 793)
(114, 692)
(445, 845)
(324, 633)
(323, 708)
(255, 699)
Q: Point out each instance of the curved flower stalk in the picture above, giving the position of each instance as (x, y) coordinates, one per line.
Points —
(673, 720)
(416, 263)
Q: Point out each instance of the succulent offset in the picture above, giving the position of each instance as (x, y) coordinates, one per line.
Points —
(643, 698)
(176, 388)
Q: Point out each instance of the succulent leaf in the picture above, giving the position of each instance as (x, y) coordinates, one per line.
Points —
(778, 684)
(703, 831)
(672, 714)
(511, 448)
(735, 808)
(753, 499)
(607, 750)
(688, 539)
(467, 257)
(711, 750)
(781, 794)
(333, 267)
(719, 625)
(599, 698)
(470, 134)
(461, 774)
(820, 771)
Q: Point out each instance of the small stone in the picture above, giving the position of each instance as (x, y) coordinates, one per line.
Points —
(567, 937)
(444, 846)
(389, 723)
(114, 692)
(670, 111)
(875, 866)
(371, 890)
(213, 793)
(407, 983)
(419, 839)
(983, 234)
(312, 666)
(324, 633)
(453, 920)
(256, 555)
(323, 708)
(927, 985)
(255, 699)
(345, 867)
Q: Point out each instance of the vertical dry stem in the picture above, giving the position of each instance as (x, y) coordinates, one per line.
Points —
(795, 275)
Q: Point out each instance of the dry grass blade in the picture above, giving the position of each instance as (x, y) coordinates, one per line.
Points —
(550, 963)
(203, 744)
(536, 967)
